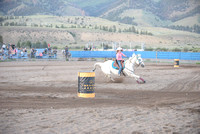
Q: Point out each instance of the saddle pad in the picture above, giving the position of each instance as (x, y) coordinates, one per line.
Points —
(116, 67)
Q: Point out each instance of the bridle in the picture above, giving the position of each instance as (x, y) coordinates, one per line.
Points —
(139, 60)
(130, 60)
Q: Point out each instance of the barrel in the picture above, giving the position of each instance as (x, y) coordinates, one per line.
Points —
(176, 62)
(86, 84)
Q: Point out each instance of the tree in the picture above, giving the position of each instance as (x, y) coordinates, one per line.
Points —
(62, 26)
(133, 29)
(96, 27)
(149, 49)
(110, 29)
(6, 24)
(55, 47)
(12, 23)
(18, 44)
(105, 28)
(1, 39)
(28, 44)
(137, 47)
(185, 49)
(176, 50)
(37, 44)
(44, 44)
(1, 19)
(114, 28)
(23, 44)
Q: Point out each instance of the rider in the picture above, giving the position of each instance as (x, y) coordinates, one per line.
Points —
(119, 55)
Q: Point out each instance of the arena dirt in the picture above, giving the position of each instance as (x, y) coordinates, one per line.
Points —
(41, 97)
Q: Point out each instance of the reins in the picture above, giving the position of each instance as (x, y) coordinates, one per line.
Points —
(131, 63)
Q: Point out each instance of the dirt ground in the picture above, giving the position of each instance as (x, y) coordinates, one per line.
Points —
(41, 97)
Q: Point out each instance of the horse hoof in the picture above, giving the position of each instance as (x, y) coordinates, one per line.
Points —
(112, 80)
(141, 82)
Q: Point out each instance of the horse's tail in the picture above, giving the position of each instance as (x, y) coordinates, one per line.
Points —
(97, 64)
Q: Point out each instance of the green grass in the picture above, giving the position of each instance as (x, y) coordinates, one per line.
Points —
(8, 60)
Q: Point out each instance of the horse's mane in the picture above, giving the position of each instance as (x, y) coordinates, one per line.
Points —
(133, 56)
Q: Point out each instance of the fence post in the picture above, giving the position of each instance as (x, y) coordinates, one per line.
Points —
(156, 57)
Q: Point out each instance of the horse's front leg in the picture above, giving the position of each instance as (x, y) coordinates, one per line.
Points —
(138, 78)
(109, 76)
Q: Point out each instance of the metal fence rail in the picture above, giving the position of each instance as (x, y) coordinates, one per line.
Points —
(144, 54)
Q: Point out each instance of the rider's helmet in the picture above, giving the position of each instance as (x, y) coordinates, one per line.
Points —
(119, 48)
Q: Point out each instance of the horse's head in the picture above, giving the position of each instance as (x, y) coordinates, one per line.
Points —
(137, 60)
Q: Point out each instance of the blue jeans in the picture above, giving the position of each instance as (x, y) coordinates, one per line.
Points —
(120, 66)
(55, 55)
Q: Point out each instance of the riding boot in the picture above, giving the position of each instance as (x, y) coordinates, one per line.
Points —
(123, 73)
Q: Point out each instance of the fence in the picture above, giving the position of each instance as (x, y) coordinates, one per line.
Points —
(144, 54)
(112, 54)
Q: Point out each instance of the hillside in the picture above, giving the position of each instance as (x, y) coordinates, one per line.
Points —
(136, 12)
(79, 31)
(52, 7)
(155, 13)
(157, 23)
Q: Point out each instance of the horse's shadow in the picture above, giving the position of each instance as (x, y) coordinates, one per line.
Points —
(101, 78)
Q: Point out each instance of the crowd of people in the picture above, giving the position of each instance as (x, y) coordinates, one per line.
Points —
(10, 51)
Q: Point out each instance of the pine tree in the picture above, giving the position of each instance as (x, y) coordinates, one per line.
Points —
(18, 44)
(1, 39)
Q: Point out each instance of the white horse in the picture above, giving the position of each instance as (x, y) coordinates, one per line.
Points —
(132, 62)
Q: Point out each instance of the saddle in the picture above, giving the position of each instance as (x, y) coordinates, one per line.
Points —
(116, 66)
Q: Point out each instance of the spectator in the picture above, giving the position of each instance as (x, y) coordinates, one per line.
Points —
(85, 49)
(13, 46)
(55, 53)
(1, 53)
(66, 51)
(40, 55)
(19, 52)
(25, 50)
(32, 53)
(10, 51)
(15, 51)
(22, 53)
(8, 46)
(37, 54)
(45, 51)
(63, 52)
(4, 46)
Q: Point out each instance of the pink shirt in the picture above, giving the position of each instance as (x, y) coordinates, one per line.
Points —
(119, 55)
